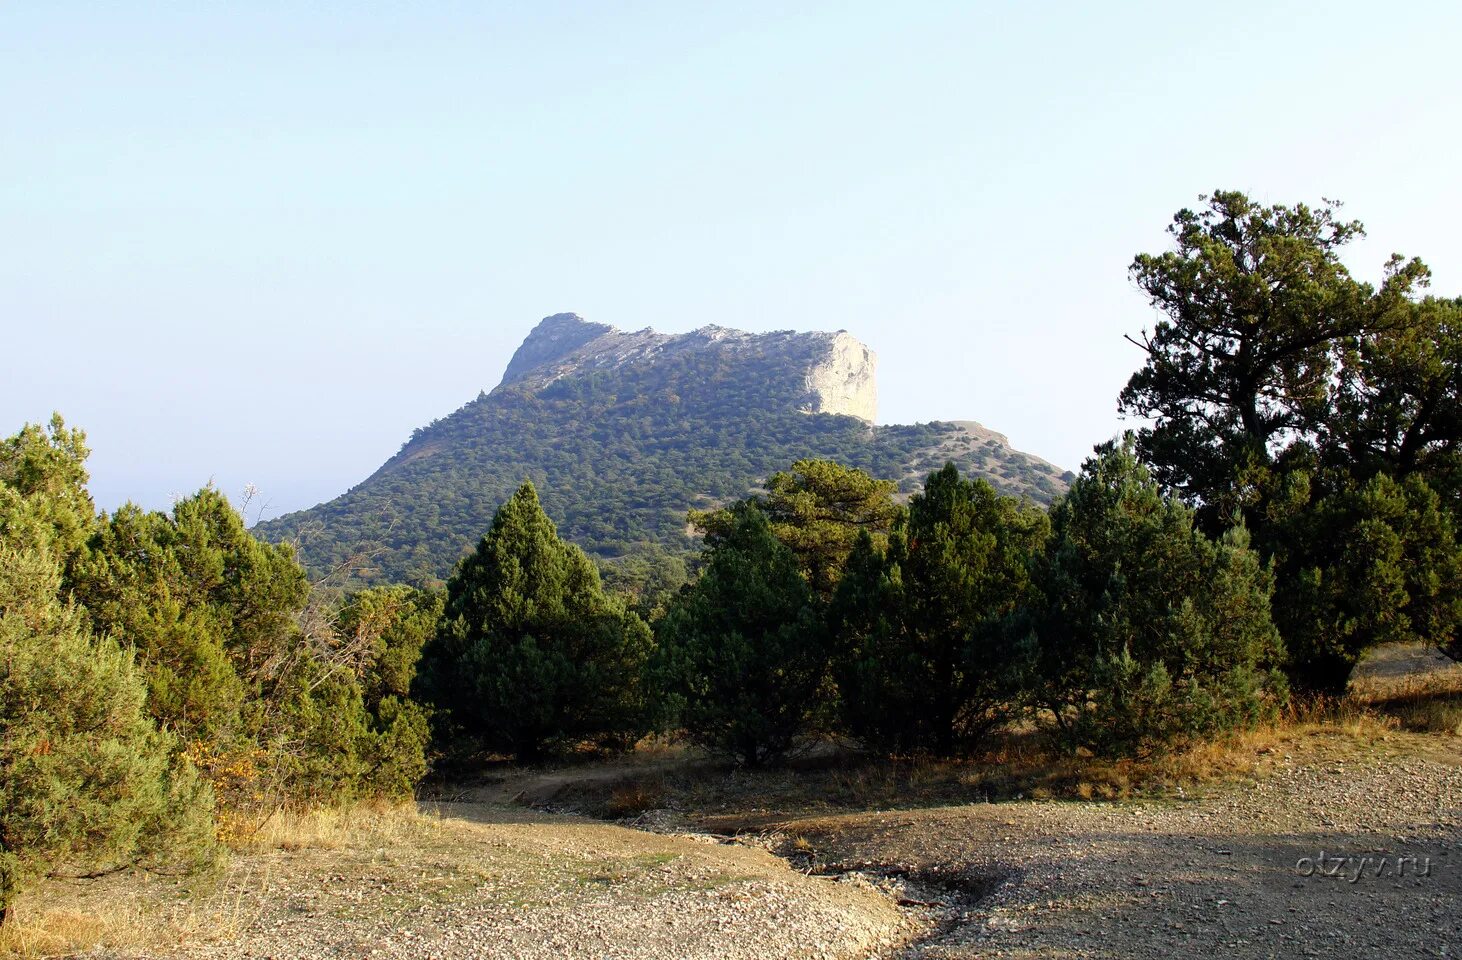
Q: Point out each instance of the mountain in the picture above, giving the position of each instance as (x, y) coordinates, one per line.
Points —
(623, 432)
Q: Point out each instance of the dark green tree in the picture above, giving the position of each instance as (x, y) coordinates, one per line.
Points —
(1280, 387)
(532, 654)
(1398, 400)
(818, 508)
(1152, 633)
(1257, 306)
(743, 651)
(931, 660)
(1370, 562)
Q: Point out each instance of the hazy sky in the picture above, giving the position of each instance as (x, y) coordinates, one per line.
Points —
(261, 242)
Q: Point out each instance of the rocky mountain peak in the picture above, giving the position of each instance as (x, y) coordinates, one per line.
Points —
(552, 339)
(837, 370)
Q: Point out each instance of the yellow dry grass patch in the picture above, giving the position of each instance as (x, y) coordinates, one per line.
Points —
(142, 912)
(328, 828)
(54, 921)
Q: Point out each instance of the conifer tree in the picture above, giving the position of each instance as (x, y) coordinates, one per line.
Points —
(383, 631)
(819, 509)
(1152, 633)
(1279, 387)
(532, 654)
(215, 619)
(136, 583)
(45, 467)
(931, 659)
(1370, 562)
(744, 649)
(87, 781)
(213, 623)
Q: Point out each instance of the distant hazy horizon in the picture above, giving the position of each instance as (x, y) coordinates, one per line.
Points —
(260, 244)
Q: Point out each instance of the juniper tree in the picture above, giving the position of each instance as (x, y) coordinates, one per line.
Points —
(531, 653)
(1257, 305)
(818, 508)
(45, 467)
(1366, 563)
(87, 782)
(214, 617)
(383, 631)
(743, 651)
(1280, 387)
(1151, 632)
(932, 659)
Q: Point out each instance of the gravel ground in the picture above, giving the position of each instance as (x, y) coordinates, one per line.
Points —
(484, 881)
(1237, 872)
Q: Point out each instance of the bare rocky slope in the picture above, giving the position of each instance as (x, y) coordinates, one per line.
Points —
(623, 432)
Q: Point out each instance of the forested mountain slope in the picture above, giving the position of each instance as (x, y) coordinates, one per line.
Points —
(623, 432)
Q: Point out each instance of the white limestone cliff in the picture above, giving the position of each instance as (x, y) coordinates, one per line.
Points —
(840, 371)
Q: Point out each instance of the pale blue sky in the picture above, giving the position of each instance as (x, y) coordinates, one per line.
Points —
(261, 242)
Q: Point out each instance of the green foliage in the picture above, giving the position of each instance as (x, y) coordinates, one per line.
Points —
(211, 613)
(1280, 387)
(1257, 305)
(931, 660)
(382, 633)
(818, 509)
(531, 653)
(743, 653)
(646, 580)
(619, 456)
(1367, 563)
(213, 619)
(1152, 633)
(143, 579)
(1398, 402)
(44, 469)
(87, 782)
(385, 629)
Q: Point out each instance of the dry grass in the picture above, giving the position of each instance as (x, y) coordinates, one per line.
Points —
(52, 933)
(1384, 711)
(1429, 704)
(1019, 764)
(140, 912)
(632, 799)
(328, 828)
(125, 913)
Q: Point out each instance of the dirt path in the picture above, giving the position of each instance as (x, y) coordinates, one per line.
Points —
(1237, 872)
(485, 881)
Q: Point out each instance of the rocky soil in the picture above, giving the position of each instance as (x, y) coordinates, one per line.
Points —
(1340, 857)
(484, 881)
(1337, 849)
